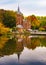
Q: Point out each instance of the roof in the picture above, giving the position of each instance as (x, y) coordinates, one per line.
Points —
(18, 12)
(19, 26)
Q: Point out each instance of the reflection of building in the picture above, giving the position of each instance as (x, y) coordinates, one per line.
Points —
(19, 48)
(27, 42)
(18, 54)
(20, 20)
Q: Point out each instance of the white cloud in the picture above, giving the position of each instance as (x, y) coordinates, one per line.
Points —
(28, 7)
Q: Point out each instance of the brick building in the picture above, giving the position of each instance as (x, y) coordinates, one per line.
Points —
(25, 23)
(19, 17)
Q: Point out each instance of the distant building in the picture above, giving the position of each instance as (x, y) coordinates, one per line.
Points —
(21, 22)
(26, 24)
(19, 28)
(19, 17)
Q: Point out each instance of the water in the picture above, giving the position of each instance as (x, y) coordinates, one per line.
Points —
(22, 50)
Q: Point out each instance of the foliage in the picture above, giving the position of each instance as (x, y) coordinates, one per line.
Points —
(3, 29)
(42, 20)
(41, 29)
(9, 19)
(10, 46)
(35, 23)
(1, 14)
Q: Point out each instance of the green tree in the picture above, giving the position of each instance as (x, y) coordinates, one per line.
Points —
(1, 14)
(9, 19)
(35, 23)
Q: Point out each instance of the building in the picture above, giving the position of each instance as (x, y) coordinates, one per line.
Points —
(21, 21)
(19, 17)
(26, 24)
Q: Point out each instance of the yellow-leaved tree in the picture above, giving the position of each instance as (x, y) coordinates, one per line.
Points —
(3, 29)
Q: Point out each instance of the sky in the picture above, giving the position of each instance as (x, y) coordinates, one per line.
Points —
(27, 7)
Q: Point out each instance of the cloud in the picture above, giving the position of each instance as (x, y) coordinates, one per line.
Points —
(3, 2)
(37, 7)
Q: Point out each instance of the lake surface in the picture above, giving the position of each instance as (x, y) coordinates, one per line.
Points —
(22, 50)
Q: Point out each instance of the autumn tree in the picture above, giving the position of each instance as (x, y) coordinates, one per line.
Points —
(35, 23)
(9, 19)
(42, 22)
(1, 14)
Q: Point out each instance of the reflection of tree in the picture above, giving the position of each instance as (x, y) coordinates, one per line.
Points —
(3, 40)
(10, 47)
(32, 43)
(43, 41)
(35, 42)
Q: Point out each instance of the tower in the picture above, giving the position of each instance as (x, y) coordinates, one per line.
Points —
(19, 17)
(18, 9)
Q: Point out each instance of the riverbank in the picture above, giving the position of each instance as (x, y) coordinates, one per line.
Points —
(38, 33)
(29, 33)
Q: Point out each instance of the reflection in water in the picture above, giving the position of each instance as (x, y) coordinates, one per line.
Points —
(22, 45)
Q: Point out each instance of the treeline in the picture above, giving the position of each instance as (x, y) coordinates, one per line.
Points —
(10, 46)
(38, 22)
(42, 20)
(8, 20)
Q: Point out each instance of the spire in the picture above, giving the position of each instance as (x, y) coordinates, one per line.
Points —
(18, 9)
